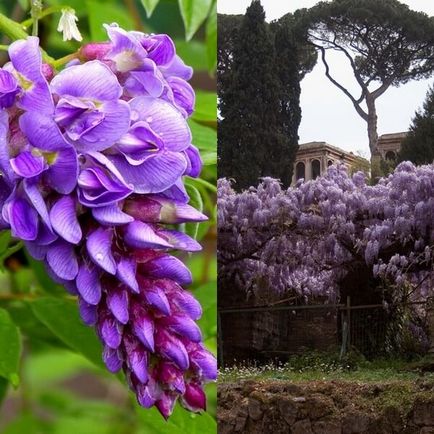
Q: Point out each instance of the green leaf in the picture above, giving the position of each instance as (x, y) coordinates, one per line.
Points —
(206, 107)
(100, 13)
(25, 423)
(3, 389)
(193, 53)
(211, 38)
(194, 13)
(62, 318)
(46, 282)
(180, 422)
(10, 348)
(196, 202)
(149, 6)
(207, 297)
(5, 237)
(209, 158)
(204, 138)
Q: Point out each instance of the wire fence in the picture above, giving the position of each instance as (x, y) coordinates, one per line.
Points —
(262, 333)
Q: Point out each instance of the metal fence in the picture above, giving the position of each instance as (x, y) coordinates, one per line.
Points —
(262, 333)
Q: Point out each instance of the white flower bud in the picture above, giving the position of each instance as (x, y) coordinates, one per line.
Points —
(68, 25)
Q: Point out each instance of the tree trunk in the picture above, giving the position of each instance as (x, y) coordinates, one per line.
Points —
(372, 125)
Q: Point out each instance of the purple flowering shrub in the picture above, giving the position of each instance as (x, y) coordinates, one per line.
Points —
(92, 161)
(322, 238)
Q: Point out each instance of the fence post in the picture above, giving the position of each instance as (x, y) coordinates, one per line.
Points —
(219, 340)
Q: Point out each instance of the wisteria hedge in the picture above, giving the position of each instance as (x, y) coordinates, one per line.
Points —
(320, 238)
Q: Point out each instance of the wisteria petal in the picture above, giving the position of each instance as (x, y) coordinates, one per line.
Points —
(156, 174)
(188, 304)
(62, 260)
(63, 217)
(156, 298)
(27, 60)
(27, 165)
(35, 197)
(22, 218)
(62, 173)
(36, 250)
(194, 161)
(100, 83)
(164, 120)
(117, 302)
(169, 267)
(172, 349)
(143, 236)
(126, 273)
(88, 312)
(112, 360)
(99, 248)
(88, 284)
(111, 215)
(180, 240)
(143, 328)
(110, 332)
(185, 326)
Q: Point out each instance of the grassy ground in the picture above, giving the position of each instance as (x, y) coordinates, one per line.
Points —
(315, 367)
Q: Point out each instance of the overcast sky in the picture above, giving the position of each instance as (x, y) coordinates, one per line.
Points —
(328, 115)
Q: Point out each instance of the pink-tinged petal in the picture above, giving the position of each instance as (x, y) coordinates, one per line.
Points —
(93, 80)
(62, 259)
(126, 273)
(111, 215)
(88, 312)
(88, 284)
(148, 394)
(137, 358)
(99, 245)
(179, 240)
(164, 120)
(171, 376)
(194, 398)
(22, 218)
(156, 298)
(156, 174)
(27, 61)
(171, 348)
(204, 363)
(184, 326)
(42, 132)
(63, 217)
(166, 404)
(117, 302)
(188, 304)
(141, 235)
(143, 329)
(34, 194)
(112, 360)
(168, 267)
(27, 165)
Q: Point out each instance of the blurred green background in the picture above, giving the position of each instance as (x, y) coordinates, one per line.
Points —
(52, 379)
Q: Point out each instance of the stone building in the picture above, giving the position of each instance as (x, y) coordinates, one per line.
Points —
(388, 145)
(313, 158)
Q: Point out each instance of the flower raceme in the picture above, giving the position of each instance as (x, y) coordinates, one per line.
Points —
(92, 161)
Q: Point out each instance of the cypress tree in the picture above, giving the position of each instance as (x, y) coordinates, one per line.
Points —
(418, 146)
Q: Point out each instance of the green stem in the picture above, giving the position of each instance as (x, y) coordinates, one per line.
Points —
(63, 60)
(48, 11)
(35, 12)
(4, 47)
(11, 29)
(206, 184)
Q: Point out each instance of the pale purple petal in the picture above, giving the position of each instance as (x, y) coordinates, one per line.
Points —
(142, 235)
(88, 312)
(63, 217)
(111, 215)
(168, 267)
(22, 218)
(126, 273)
(38, 202)
(99, 247)
(88, 284)
(117, 302)
(93, 80)
(62, 259)
(112, 360)
(180, 240)
(28, 165)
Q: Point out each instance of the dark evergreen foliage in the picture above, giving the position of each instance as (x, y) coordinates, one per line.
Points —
(259, 89)
(418, 147)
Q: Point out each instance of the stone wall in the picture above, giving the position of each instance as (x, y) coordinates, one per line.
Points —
(326, 408)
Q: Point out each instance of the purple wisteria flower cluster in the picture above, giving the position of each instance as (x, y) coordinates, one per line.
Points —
(92, 160)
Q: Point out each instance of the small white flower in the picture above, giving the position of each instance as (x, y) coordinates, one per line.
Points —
(68, 25)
